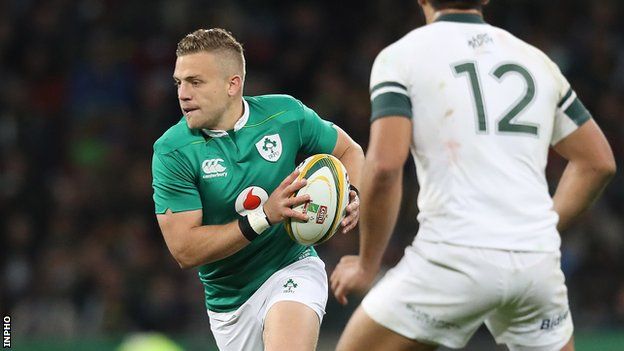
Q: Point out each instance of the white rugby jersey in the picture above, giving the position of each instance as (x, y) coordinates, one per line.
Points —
(485, 108)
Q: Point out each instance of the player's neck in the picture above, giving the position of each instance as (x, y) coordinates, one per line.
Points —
(433, 15)
(231, 115)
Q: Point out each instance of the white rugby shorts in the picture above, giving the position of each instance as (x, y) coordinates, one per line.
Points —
(304, 281)
(441, 294)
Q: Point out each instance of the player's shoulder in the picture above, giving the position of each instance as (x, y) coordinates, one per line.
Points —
(279, 108)
(177, 137)
(273, 102)
(527, 48)
(416, 40)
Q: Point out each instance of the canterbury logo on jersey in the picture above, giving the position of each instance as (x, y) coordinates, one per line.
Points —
(213, 168)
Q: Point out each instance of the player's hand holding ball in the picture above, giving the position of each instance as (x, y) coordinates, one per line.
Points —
(279, 205)
(328, 189)
(353, 211)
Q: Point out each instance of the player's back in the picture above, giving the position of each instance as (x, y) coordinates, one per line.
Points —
(485, 108)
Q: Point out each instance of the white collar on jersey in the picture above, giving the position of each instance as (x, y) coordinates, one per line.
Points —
(216, 133)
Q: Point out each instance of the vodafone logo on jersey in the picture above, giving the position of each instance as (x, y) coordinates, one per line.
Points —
(250, 199)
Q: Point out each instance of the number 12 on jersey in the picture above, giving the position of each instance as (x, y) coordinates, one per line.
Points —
(506, 122)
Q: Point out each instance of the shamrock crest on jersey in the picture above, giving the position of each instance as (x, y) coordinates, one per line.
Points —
(289, 286)
(270, 147)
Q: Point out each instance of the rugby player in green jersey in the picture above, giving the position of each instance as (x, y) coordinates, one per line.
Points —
(223, 177)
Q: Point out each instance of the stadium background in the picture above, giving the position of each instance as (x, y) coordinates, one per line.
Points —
(86, 89)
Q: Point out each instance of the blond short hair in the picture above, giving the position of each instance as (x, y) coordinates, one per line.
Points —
(212, 40)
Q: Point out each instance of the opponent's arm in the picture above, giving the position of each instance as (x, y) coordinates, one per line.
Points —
(590, 168)
(193, 244)
(351, 155)
(382, 183)
(382, 186)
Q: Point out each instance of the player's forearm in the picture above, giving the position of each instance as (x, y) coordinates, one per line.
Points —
(208, 243)
(380, 203)
(579, 187)
(353, 160)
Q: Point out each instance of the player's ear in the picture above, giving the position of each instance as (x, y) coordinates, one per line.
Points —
(235, 85)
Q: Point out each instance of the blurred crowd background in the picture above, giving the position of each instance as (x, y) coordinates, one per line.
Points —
(86, 88)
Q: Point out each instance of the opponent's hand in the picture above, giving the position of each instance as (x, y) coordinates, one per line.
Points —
(350, 276)
(278, 206)
(353, 212)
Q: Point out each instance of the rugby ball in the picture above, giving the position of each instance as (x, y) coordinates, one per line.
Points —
(328, 187)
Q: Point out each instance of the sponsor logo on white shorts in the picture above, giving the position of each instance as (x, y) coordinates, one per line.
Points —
(425, 318)
(553, 322)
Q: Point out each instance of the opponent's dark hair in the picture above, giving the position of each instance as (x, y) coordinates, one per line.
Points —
(456, 4)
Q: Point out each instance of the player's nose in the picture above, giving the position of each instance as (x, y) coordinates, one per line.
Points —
(184, 93)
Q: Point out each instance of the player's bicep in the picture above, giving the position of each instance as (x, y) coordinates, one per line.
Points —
(587, 145)
(175, 225)
(172, 223)
(343, 143)
(390, 140)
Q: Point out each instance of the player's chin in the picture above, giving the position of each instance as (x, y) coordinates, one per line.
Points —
(192, 121)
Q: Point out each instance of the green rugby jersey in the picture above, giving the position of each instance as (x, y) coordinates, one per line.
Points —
(227, 173)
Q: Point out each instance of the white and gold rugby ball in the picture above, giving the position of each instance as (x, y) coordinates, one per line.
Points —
(328, 187)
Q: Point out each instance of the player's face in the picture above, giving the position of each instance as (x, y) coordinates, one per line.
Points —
(202, 89)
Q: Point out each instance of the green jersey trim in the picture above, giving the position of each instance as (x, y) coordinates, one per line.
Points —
(391, 104)
(573, 108)
(565, 98)
(388, 84)
(577, 112)
(461, 17)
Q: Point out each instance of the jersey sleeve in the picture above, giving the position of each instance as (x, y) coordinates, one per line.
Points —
(388, 86)
(317, 135)
(174, 187)
(570, 113)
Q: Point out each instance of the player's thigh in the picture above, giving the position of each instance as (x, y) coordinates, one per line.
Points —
(537, 316)
(294, 311)
(438, 294)
(238, 330)
(363, 333)
(304, 281)
(291, 325)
